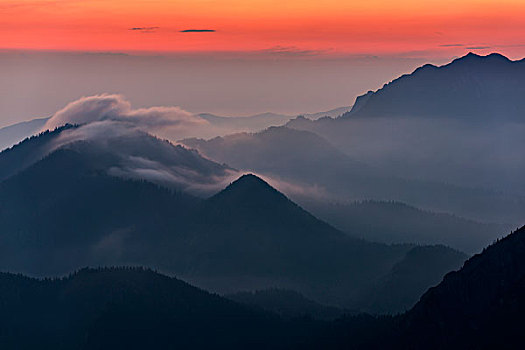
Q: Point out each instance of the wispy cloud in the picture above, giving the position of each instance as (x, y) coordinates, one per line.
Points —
(198, 31)
(478, 47)
(290, 51)
(144, 29)
(452, 45)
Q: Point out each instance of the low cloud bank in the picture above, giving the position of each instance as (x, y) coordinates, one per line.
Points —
(115, 108)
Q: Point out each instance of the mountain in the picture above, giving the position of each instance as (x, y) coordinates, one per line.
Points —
(480, 306)
(249, 123)
(15, 133)
(132, 308)
(219, 125)
(420, 268)
(122, 152)
(281, 152)
(333, 113)
(287, 304)
(67, 211)
(62, 213)
(309, 168)
(471, 87)
(397, 222)
(459, 125)
(257, 122)
(250, 236)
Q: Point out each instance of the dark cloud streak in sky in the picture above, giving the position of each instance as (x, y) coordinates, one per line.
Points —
(144, 29)
(198, 31)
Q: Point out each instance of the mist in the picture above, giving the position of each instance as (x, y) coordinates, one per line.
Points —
(37, 83)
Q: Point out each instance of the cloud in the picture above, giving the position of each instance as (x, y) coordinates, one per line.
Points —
(144, 29)
(198, 31)
(452, 45)
(478, 47)
(114, 108)
(290, 51)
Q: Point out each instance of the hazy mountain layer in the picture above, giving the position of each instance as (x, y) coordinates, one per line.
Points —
(396, 222)
(15, 133)
(309, 168)
(66, 211)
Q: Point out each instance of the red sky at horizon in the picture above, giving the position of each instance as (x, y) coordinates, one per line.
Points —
(294, 27)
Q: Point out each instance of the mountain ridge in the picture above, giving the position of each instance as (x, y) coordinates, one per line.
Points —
(467, 76)
(249, 236)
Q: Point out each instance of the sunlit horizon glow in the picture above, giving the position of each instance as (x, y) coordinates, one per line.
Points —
(295, 27)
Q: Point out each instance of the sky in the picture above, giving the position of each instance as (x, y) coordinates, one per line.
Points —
(234, 57)
(292, 26)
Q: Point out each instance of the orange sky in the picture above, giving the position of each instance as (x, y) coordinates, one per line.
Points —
(297, 27)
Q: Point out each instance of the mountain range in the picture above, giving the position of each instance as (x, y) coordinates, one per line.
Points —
(130, 308)
(480, 306)
(474, 87)
(414, 175)
(324, 179)
(220, 125)
(72, 209)
(460, 124)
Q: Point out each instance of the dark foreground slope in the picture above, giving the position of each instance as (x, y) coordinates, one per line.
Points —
(481, 306)
(131, 308)
(288, 304)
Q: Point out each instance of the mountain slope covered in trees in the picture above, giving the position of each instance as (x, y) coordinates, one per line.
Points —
(130, 308)
(481, 306)
(66, 211)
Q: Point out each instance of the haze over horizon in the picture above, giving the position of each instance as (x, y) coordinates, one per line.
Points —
(231, 58)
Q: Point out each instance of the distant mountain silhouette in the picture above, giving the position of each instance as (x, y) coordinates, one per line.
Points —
(66, 211)
(131, 308)
(333, 113)
(317, 170)
(396, 222)
(15, 133)
(282, 152)
(471, 87)
(250, 123)
(460, 126)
